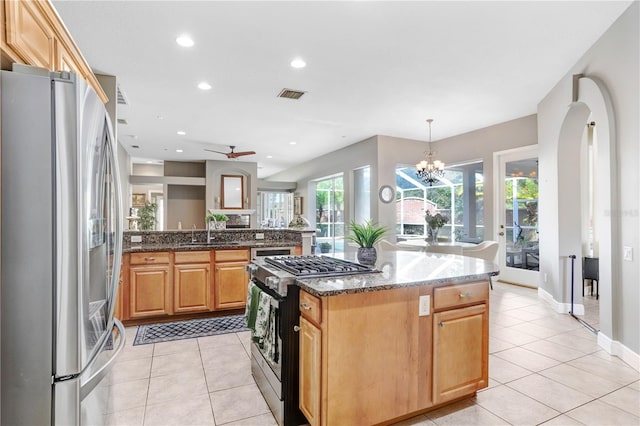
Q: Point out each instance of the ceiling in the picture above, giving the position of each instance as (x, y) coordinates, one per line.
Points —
(372, 68)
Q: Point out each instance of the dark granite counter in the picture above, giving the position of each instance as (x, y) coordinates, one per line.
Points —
(188, 246)
(183, 240)
(403, 269)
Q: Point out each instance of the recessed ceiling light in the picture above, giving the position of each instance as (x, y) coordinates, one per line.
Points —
(149, 162)
(298, 63)
(292, 143)
(269, 156)
(178, 150)
(181, 132)
(185, 41)
(204, 86)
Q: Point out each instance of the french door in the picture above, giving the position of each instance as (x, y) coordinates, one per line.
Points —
(517, 215)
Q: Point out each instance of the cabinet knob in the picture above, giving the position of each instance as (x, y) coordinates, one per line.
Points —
(149, 259)
(467, 294)
(305, 306)
(441, 323)
(296, 328)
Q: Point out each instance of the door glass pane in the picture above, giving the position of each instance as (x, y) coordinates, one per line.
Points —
(330, 215)
(521, 214)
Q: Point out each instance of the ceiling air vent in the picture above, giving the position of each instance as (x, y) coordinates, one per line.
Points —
(122, 99)
(122, 121)
(290, 94)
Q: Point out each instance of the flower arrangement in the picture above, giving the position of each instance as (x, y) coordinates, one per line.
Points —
(435, 221)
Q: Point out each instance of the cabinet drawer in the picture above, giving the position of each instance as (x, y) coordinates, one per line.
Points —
(310, 307)
(192, 257)
(149, 258)
(231, 255)
(463, 294)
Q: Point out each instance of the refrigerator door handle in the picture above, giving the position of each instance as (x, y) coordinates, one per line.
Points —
(104, 370)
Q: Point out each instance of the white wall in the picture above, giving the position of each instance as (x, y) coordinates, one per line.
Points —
(613, 59)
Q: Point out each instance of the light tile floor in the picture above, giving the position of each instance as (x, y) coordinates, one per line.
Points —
(544, 368)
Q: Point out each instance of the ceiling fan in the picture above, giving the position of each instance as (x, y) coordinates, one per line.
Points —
(232, 154)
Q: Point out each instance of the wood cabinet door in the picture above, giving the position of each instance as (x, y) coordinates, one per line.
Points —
(29, 33)
(192, 288)
(150, 291)
(230, 285)
(460, 352)
(310, 371)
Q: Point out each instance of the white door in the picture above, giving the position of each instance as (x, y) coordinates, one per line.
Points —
(517, 215)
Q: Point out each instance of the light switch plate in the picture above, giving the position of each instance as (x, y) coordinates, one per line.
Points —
(259, 236)
(425, 306)
(628, 254)
(136, 238)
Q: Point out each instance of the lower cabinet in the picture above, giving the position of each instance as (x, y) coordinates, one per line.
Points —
(191, 288)
(460, 354)
(192, 282)
(150, 291)
(230, 288)
(310, 367)
(372, 357)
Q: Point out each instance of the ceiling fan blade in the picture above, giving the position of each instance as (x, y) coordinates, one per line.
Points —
(238, 154)
(217, 152)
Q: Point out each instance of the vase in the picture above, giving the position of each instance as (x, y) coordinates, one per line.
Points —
(434, 235)
(367, 255)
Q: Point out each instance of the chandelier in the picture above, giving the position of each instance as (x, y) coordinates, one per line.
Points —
(429, 170)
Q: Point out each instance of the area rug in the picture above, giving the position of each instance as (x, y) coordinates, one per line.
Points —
(168, 331)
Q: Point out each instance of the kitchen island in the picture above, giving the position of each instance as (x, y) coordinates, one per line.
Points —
(377, 348)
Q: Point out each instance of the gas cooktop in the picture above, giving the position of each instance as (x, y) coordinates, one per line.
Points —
(317, 266)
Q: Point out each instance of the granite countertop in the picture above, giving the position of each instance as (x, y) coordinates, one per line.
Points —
(403, 269)
(215, 245)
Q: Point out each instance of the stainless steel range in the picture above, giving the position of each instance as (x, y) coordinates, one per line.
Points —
(276, 276)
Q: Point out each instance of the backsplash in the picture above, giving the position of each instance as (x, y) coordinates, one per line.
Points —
(223, 235)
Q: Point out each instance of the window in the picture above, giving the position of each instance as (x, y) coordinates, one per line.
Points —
(362, 194)
(275, 209)
(458, 196)
(330, 214)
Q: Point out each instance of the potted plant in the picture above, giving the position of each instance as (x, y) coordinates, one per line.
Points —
(147, 216)
(219, 220)
(324, 247)
(366, 236)
(435, 222)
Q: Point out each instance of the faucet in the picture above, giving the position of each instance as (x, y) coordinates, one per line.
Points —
(209, 236)
(193, 233)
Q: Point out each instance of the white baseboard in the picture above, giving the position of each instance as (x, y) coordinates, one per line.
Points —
(561, 308)
(621, 351)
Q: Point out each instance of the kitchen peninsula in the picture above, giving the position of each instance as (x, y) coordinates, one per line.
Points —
(377, 348)
(171, 275)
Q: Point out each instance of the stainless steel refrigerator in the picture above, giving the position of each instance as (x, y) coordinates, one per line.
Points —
(61, 242)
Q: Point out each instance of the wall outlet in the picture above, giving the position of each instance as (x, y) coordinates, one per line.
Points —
(628, 254)
(546, 278)
(136, 238)
(259, 236)
(424, 308)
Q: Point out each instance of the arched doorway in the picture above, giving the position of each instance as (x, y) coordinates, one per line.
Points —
(591, 104)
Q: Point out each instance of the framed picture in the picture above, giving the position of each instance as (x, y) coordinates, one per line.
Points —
(297, 205)
(138, 200)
